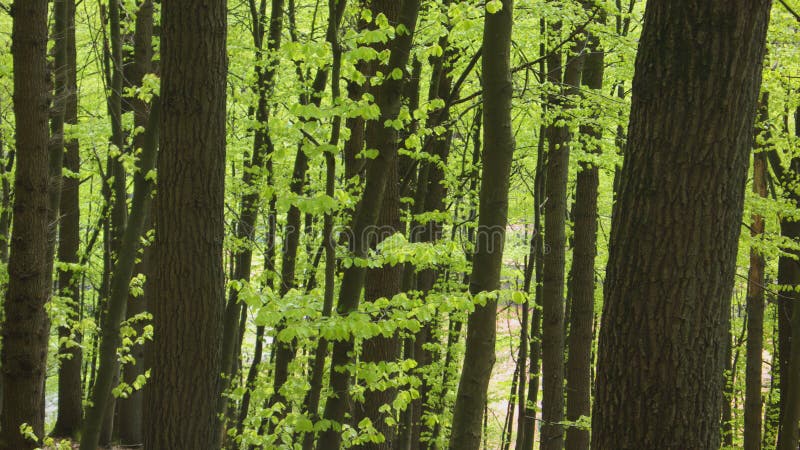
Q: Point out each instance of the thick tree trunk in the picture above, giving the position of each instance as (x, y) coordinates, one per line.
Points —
(187, 275)
(755, 310)
(675, 230)
(26, 328)
(492, 221)
(581, 318)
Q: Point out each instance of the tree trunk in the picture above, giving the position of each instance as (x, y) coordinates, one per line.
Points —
(675, 231)
(755, 308)
(116, 306)
(380, 137)
(581, 319)
(558, 150)
(188, 280)
(130, 409)
(789, 278)
(492, 221)
(26, 328)
(70, 390)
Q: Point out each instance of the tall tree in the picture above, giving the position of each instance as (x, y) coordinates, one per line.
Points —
(382, 137)
(581, 314)
(558, 136)
(492, 221)
(70, 390)
(130, 409)
(755, 310)
(26, 327)
(187, 274)
(789, 278)
(676, 225)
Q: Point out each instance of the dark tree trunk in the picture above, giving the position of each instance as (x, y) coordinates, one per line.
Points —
(383, 138)
(789, 278)
(312, 401)
(558, 151)
(755, 309)
(26, 328)
(130, 408)
(675, 230)
(383, 282)
(492, 221)
(581, 319)
(187, 275)
(70, 390)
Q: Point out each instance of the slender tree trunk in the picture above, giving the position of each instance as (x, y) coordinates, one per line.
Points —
(581, 319)
(789, 277)
(381, 137)
(108, 370)
(245, 230)
(70, 390)
(527, 431)
(312, 400)
(26, 328)
(188, 279)
(675, 231)
(130, 410)
(492, 221)
(285, 351)
(755, 308)
(558, 150)
(383, 282)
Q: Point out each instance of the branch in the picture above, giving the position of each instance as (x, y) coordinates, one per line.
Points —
(791, 11)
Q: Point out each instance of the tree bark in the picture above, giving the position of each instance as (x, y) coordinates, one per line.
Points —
(26, 328)
(188, 280)
(130, 409)
(492, 221)
(755, 309)
(70, 390)
(581, 318)
(382, 138)
(789, 278)
(555, 241)
(675, 230)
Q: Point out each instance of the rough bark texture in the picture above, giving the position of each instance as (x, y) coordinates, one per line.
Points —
(26, 328)
(492, 220)
(581, 314)
(70, 390)
(755, 315)
(188, 280)
(675, 231)
(379, 283)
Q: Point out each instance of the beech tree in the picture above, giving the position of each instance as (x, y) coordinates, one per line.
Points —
(384, 224)
(188, 280)
(26, 326)
(670, 271)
